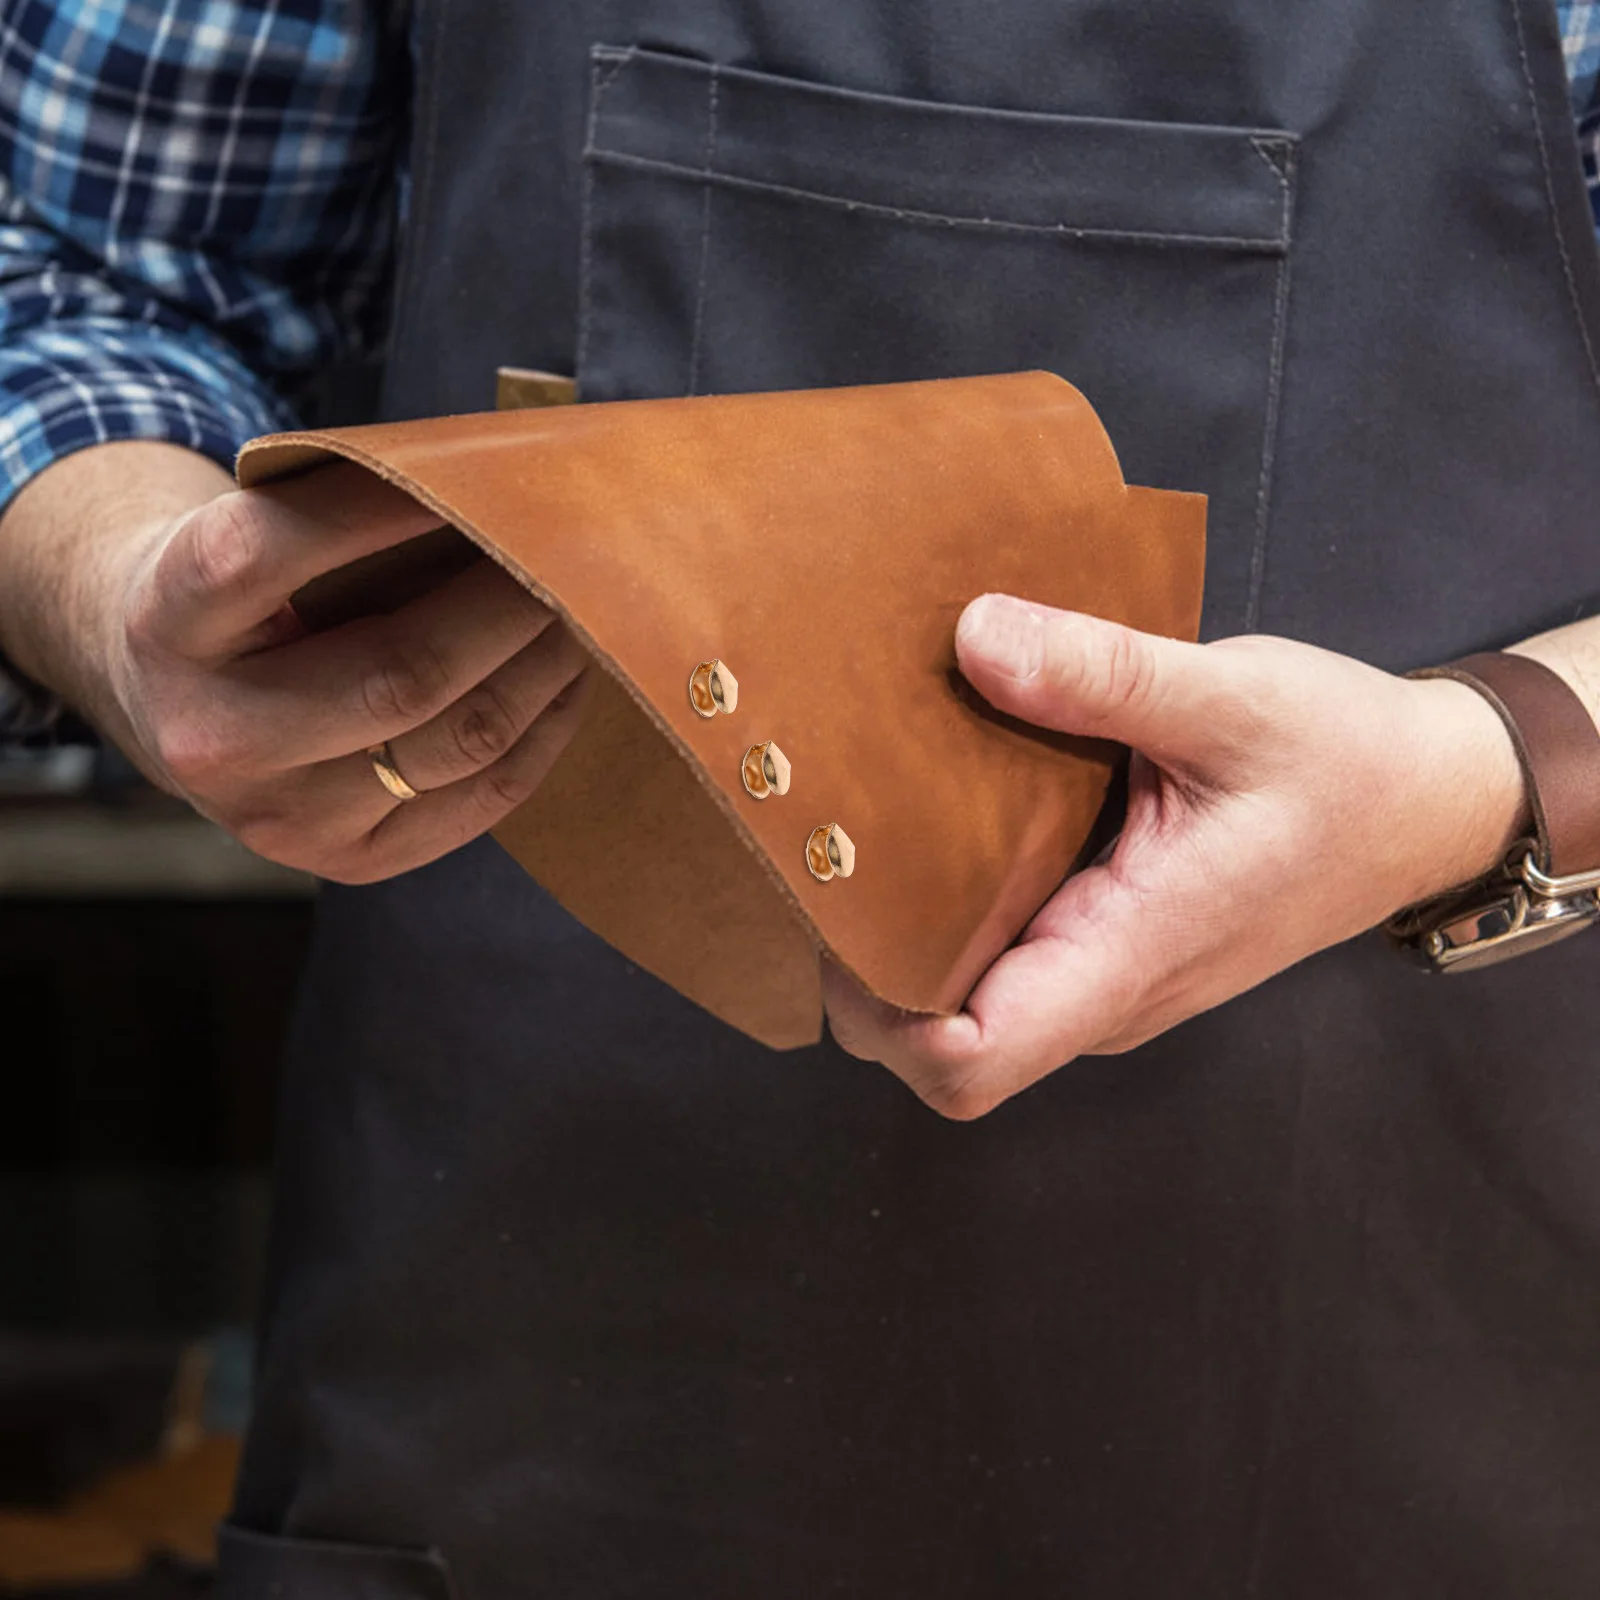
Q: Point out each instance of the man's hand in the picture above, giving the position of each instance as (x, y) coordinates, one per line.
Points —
(1282, 799)
(183, 647)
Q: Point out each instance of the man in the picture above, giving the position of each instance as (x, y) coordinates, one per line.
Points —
(574, 1291)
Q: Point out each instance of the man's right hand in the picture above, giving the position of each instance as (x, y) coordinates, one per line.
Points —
(174, 633)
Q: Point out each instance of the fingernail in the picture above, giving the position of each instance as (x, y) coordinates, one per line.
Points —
(1007, 635)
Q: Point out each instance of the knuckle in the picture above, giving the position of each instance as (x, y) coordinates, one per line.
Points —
(502, 789)
(144, 619)
(958, 1082)
(960, 1099)
(222, 544)
(196, 753)
(851, 1037)
(378, 854)
(347, 858)
(485, 729)
(1124, 671)
(269, 832)
(407, 685)
(1125, 1043)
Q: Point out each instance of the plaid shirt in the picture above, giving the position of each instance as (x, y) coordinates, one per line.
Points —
(197, 213)
(198, 204)
(1580, 39)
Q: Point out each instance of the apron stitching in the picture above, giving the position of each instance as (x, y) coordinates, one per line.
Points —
(712, 91)
(1550, 194)
(608, 65)
(1265, 148)
(602, 74)
(1269, 428)
(1263, 244)
(423, 160)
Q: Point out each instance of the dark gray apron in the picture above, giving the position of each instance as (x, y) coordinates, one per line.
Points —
(588, 1296)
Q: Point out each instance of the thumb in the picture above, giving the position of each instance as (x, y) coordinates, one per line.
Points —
(1081, 674)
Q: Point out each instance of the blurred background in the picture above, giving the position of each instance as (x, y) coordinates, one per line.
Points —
(147, 964)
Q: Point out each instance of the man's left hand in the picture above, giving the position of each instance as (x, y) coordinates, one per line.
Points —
(1282, 799)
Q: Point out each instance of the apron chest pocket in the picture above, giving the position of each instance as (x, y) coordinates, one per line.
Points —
(743, 231)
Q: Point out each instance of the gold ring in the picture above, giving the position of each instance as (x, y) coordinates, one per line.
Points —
(388, 773)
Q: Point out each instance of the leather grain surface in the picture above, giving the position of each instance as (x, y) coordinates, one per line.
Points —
(821, 543)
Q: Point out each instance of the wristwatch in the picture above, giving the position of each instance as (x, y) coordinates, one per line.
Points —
(1548, 887)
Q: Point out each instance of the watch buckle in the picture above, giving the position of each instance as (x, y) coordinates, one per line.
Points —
(1516, 909)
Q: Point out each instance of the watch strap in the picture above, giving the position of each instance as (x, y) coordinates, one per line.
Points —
(1558, 746)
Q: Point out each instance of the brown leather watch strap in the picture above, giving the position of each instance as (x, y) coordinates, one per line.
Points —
(1559, 748)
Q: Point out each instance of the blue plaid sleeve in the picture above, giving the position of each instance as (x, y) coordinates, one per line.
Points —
(1580, 41)
(197, 214)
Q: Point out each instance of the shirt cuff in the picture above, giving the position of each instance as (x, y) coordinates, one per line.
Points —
(74, 384)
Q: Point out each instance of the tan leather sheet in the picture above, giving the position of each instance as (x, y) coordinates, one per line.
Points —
(822, 545)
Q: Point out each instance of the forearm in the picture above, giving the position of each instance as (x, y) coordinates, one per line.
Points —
(68, 538)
